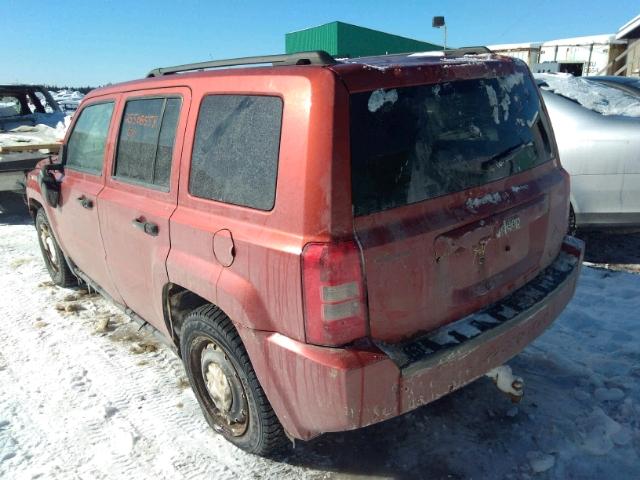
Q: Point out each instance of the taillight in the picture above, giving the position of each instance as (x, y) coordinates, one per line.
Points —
(335, 311)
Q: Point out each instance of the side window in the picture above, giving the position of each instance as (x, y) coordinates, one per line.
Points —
(145, 145)
(236, 148)
(10, 106)
(85, 148)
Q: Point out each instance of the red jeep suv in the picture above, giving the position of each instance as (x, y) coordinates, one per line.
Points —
(328, 244)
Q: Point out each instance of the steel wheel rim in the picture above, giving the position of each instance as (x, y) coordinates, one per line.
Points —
(221, 388)
(48, 246)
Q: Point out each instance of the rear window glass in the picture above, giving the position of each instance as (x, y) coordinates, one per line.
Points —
(235, 154)
(415, 143)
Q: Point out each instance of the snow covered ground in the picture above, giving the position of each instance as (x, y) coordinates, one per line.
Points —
(84, 395)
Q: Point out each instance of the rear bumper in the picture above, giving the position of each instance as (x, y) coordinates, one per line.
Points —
(317, 389)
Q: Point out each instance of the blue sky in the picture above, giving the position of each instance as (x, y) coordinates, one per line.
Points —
(95, 42)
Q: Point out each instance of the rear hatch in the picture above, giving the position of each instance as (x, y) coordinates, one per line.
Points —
(457, 195)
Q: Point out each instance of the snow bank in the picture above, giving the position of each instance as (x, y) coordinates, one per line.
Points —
(599, 98)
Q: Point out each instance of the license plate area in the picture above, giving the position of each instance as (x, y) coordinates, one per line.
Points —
(480, 251)
(455, 338)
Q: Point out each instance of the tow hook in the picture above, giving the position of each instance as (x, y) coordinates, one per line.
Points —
(507, 382)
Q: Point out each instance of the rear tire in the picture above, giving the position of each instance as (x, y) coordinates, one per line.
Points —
(53, 257)
(225, 384)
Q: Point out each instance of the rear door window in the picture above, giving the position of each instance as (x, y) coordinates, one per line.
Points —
(236, 149)
(145, 143)
(416, 143)
(85, 148)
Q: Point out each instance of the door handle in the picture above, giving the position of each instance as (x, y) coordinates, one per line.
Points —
(85, 202)
(149, 228)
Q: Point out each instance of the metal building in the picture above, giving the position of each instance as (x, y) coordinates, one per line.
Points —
(343, 40)
(529, 51)
(611, 54)
(592, 55)
(631, 33)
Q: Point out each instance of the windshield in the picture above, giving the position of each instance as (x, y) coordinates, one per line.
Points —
(415, 143)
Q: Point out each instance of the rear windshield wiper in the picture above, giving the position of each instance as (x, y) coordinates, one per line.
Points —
(499, 159)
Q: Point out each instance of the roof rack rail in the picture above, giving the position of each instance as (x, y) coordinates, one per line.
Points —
(317, 57)
(477, 50)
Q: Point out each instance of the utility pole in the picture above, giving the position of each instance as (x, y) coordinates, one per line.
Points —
(438, 22)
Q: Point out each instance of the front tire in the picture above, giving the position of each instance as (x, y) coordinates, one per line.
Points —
(225, 384)
(53, 257)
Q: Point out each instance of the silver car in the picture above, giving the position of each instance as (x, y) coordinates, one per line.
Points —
(630, 85)
(599, 145)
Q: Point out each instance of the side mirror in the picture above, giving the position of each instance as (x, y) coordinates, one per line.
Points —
(54, 167)
(49, 185)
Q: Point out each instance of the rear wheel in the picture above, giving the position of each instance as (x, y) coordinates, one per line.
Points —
(53, 258)
(226, 385)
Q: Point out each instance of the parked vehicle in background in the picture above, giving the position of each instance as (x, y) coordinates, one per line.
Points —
(68, 99)
(14, 167)
(27, 105)
(630, 85)
(26, 114)
(327, 244)
(597, 128)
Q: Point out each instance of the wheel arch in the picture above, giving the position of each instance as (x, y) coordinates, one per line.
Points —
(33, 206)
(177, 303)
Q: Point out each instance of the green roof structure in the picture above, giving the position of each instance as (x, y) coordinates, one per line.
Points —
(343, 40)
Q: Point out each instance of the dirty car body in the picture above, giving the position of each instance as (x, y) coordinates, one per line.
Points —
(412, 239)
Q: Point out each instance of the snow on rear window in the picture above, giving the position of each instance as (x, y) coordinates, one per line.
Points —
(379, 97)
(415, 143)
(599, 98)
